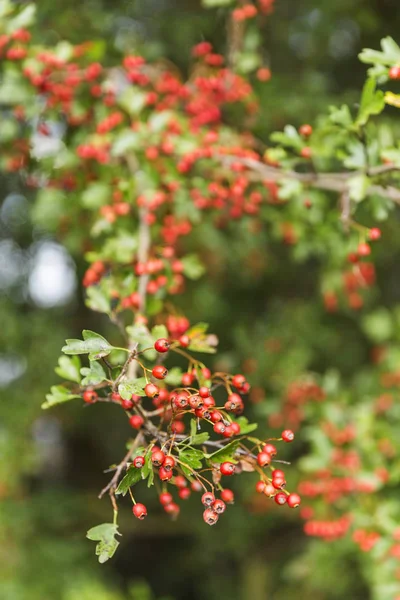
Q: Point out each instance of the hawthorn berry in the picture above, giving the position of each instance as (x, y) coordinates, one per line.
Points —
(260, 487)
(140, 511)
(138, 462)
(184, 493)
(394, 73)
(169, 462)
(172, 509)
(227, 468)
(89, 396)
(208, 499)
(165, 474)
(219, 427)
(269, 490)
(184, 341)
(306, 152)
(374, 234)
(287, 435)
(280, 498)
(306, 130)
(364, 250)
(126, 404)
(151, 390)
(165, 498)
(210, 516)
(204, 392)
(293, 500)
(278, 482)
(238, 381)
(196, 486)
(162, 345)
(158, 458)
(227, 496)
(159, 372)
(263, 458)
(219, 506)
(270, 449)
(180, 481)
(136, 421)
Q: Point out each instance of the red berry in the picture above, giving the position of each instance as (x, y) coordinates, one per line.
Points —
(210, 516)
(89, 396)
(184, 493)
(293, 500)
(159, 372)
(138, 462)
(196, 486)
(260, 487)
(162, 345)
(270, 449)
(151, 390)
(196, 401)
(364, 250)
(136, 421)
(180, 481)
(169, 463)
(228, 496)
(204, 392)
(219, 427)
(306, 152)
(187, 379)
(126, 404)
(279, 483)
(229, 431)
(280, 498)
(306, 130)
(172, 509)
(158, 458)
(235, 428)
(215, 417)
(139, 510)
(287, 435)
(269, 490)
(164, 474)
(219, 506)
(227, 468)
(263, 458)
(116, 397)
(208, 499)
(181, 400)
(238, 381)
(165, 498)
(394, 73)
(278, 473)
(374, 234)
(184, 341)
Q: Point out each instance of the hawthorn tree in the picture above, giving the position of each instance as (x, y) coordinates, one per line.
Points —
(128, 161)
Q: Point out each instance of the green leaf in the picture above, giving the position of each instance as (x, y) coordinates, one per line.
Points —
(127, 388)
(159, 331)
(372, 102)
(191, 457)
(93, 344)
(58, 395)
(174, 377)
(378, 326)
(104, 534)
(341, 116)
(49, 207)
(94, 374)
(97, 300)
(133, 475)
(68, 368)
(132, 100)
(14, 89)
(290, 137)
(199, 438)
(225, 454)
(358, 187)
(96, 195)
(245, 426)
(23, 19)
(390, 55)
(216, 3)
(125, 141)
(193, 268)
(147, 470)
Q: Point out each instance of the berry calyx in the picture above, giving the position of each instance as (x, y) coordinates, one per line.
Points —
(208, 499)
(162, 345)
(219, 506)
(210, 516)
(227, 468)
(140, 511)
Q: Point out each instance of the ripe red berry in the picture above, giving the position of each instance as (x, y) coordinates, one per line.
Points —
(89, 396)
(287, 435)
(269, 490)
(260, 487)
(227, 468)
(374, 234)
(219, 427)
(394, 73)
(306, 152)
(229, 431)
(180, 481)
(164, 474)
(159, 372)
(306, 130)
(136, 421)
(165, 498)
(280, 498)
(219, 506)
(187, 379)
(279, 483)
(138, 462)
(278, 473)
(270, 449)
(126, 404)
(228, 496)
(196, 486)
(184, 493)
(235, 428)
(158, 458)
(184, 341)
(169, 463)
(210, 516)
(162, 345)
(172, 509)
(238, 381)
(151, 390)
(293, 500)
(204, 392)
(181, 400)
(215, 416)
(208, 499)
(263, 458)
(364, 250)
(139, 510)
(196, 401)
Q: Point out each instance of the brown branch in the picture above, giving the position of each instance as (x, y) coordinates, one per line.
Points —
(113, 483)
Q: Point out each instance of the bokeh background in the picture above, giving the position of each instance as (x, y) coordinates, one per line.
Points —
(256, 299)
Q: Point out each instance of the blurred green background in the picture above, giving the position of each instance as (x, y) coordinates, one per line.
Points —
(51, 463)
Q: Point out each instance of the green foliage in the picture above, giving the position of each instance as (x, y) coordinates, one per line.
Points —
(107, 544)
